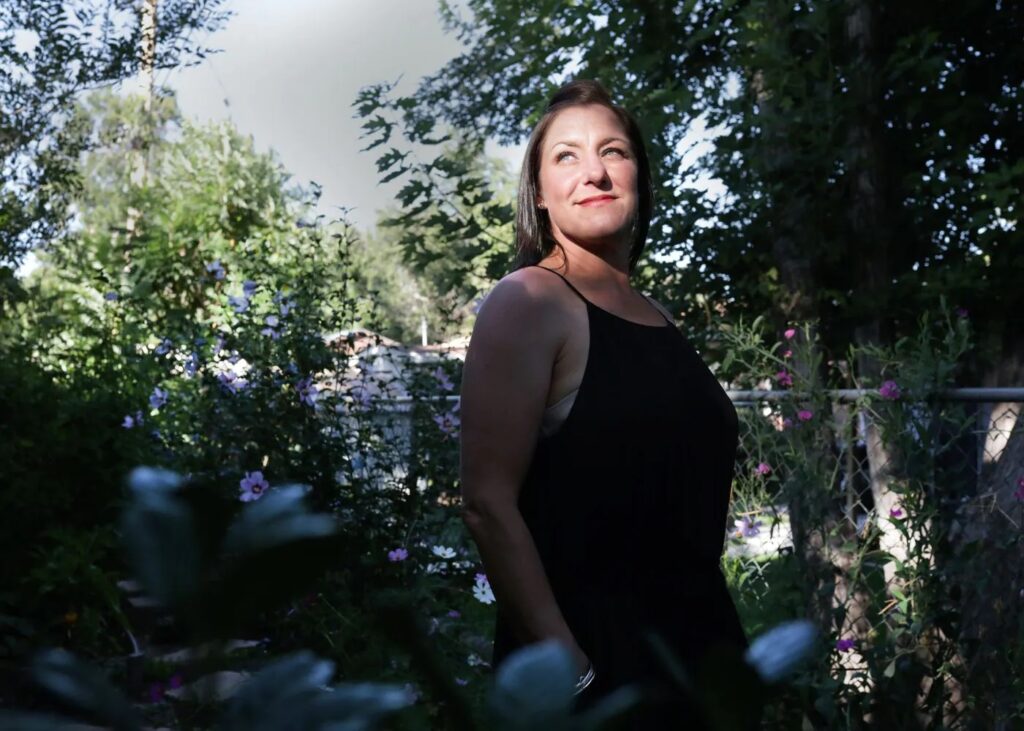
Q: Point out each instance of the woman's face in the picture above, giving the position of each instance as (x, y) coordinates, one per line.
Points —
(587, 177)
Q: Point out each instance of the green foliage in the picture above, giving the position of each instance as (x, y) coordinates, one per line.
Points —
(533, 689)
(879, 569)
(454, 218)
(50, 52)
(869, 153)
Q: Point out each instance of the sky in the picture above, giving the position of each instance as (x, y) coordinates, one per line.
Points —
(289, 72)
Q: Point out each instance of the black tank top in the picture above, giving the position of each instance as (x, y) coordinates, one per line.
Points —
(627, 502)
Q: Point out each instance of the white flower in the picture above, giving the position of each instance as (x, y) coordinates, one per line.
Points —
(443, 552)
(482, 590)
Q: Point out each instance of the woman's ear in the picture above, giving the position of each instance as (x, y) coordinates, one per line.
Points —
(540, 203)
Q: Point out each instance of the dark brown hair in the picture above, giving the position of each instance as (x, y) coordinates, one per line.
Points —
(533, 228)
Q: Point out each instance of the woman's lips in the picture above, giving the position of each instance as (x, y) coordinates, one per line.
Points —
(597, 201)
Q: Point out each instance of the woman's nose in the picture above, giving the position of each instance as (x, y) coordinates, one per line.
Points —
(594, 169)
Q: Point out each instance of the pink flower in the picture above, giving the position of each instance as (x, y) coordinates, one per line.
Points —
(1019, 492)
(889, 390)
(252, 486)
(763, 469)
(787, 354)
(399, 554)
(784, 378)
(804, 415)
(790, 334)
(895, 513)
(845, 645)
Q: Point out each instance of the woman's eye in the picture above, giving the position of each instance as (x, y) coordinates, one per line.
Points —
(616, 150)
(562, 155)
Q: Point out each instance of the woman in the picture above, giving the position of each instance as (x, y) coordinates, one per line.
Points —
(597, 448)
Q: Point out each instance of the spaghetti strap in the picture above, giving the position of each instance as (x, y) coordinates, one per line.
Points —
(578, 293)
(658, 309)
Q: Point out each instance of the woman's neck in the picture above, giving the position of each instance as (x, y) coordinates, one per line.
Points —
(602, 269)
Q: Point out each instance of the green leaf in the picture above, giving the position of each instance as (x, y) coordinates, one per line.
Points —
(292, 693)
(534, 687)
(85, 688)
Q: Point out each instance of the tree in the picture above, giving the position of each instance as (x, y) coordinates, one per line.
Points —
(871, 155)
(51, 51)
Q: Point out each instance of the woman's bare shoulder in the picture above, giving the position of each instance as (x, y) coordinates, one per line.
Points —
(527, 290)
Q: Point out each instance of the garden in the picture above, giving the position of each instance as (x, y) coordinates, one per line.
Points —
(229, 464)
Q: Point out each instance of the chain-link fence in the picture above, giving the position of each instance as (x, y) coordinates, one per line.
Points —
(896, 524)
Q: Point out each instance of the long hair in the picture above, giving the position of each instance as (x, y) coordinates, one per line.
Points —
(533, 228)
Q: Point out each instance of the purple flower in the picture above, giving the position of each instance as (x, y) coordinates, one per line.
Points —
(789, 334)
(241, 304)
(889, 390)
(158, 398)
(270, 333)
(747, 527)
(130, 421)
(895, 513)
(248, 287)
(156, 692)
(252, 486)
(218, 344)
(1019, 492)
(784, 378)
(961, 312)
(447, 423)
(787, 423)
(845, 645)
(454, 613)
(215, 269)
(286, 307)
(307, 391)
(175, 681)
(192, 364)
(763, 468)
(804, 415)
(399, 554)
(164, 346)
(461, 681)
(232, 381)
(272, 322)
(110, 296)
(442, 379)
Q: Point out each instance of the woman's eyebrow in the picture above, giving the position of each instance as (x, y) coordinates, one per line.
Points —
(605, 141)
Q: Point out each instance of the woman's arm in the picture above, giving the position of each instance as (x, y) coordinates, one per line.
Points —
(518, 335)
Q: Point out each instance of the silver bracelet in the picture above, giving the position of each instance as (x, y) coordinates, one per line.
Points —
(586, 679)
